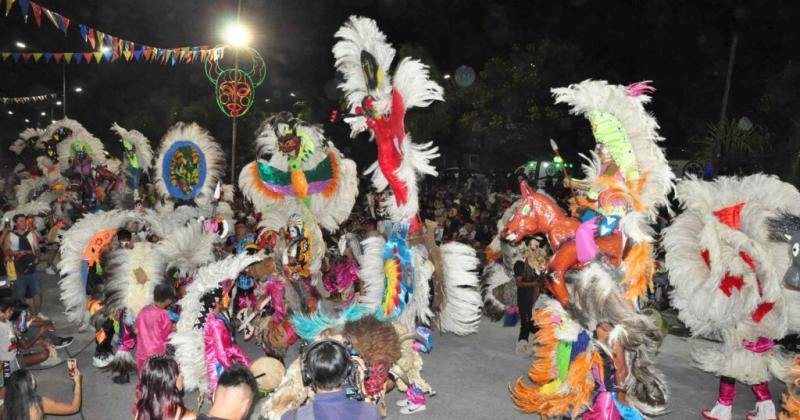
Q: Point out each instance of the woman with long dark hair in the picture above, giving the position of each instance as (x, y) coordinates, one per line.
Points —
(23, 403)
(160, 391)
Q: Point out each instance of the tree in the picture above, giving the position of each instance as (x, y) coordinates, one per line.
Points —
(731, 146)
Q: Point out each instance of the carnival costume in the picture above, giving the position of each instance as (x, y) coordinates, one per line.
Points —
(594, 345)
(203, 341)
(137, 158)
(378, 101)
(298, 167)
(731, 257)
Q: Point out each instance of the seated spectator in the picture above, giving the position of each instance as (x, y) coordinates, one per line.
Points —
(12, 345)
(22, 401)
(327, 365)
(35, 330)
(160, 391)
(234, 396)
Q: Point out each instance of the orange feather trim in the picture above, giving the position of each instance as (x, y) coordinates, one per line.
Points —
(639, 269)
(328, 192)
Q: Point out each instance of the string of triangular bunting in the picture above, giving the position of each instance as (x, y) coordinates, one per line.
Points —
(173, 56)
(27, 99)
(115, 47)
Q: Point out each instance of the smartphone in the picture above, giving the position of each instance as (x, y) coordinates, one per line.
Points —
(72, 364)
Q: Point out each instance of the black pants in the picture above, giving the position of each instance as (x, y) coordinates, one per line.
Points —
(525, 304)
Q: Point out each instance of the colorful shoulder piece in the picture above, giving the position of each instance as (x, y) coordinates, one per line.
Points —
(68, 136)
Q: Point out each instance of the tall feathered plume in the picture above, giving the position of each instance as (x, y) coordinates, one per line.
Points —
(627, 105)
(144, 152)
(74, 242)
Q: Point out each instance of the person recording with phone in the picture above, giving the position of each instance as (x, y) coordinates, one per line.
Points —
(330, 369)
(22, 401)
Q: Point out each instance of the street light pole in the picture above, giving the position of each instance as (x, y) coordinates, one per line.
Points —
(233, 122)
(64, 89)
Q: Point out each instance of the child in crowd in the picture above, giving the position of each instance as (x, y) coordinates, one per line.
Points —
(154, 326)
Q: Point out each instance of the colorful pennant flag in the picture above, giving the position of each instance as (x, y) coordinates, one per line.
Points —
(9, 3)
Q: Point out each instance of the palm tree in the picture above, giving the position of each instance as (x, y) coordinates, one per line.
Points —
(732, 147)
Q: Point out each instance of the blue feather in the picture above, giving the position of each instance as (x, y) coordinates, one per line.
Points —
(308, 327)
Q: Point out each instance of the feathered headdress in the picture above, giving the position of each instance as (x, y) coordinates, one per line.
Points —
(137, 145)
(629, 133)
(189, 163)
(69, 136)
(297, 166)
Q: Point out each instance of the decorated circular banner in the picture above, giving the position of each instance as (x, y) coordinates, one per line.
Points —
(184, 170)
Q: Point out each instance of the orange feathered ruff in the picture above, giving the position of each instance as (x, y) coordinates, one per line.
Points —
(579, 381)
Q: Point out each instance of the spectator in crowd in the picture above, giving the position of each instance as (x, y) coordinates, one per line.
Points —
(328, 365)
(160, 391)
(22, 247)
(234, 396)
(153, 325)
(240, 237)
(23, 403)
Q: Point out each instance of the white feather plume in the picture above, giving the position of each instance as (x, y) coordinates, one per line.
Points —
(74, 242)
(461, 314)
(122, 290)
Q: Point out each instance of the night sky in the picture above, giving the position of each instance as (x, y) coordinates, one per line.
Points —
(683, 46)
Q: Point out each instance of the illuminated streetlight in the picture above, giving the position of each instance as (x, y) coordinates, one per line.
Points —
(27, 120)
(58, 103)
(446, 77)
(266, 100)
(237, 35)
(292, 94)
(79, 89)
(43, 113)
(20, 45)
(105, 49)
(10, 112)
(52, 121)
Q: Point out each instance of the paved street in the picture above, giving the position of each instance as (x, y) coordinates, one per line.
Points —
(471, 375)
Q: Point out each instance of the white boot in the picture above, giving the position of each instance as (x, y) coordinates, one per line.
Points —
(719, 412)
(765, 410)
(412, 408)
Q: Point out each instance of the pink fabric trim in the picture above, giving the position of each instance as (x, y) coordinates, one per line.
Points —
(759, 346)
(762, 392)
(584, 240)
(727, 393)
